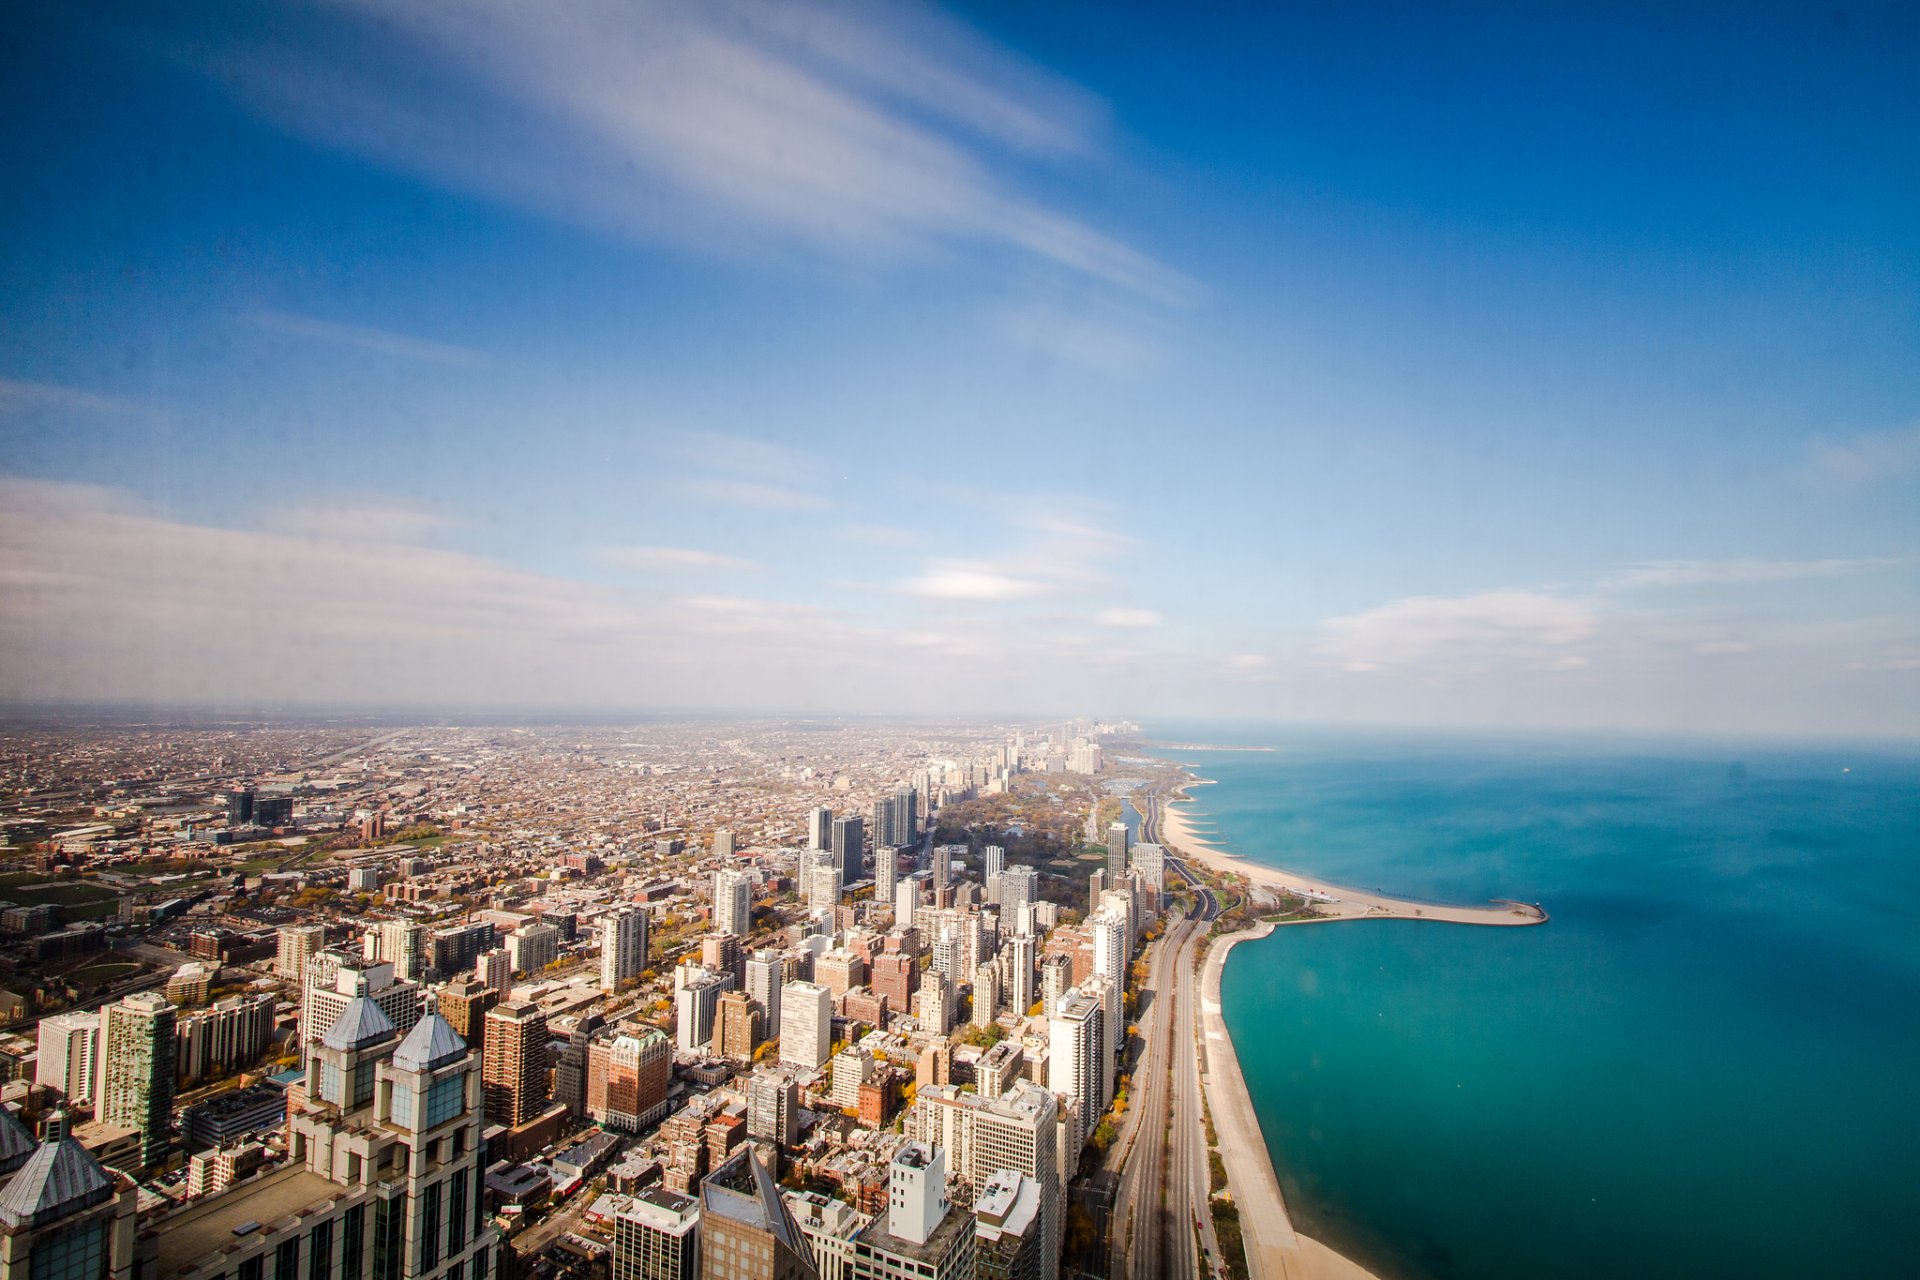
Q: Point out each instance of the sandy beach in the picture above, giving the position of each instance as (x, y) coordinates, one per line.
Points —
(1335, 902)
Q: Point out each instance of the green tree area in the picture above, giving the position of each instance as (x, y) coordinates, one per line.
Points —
(985, 1037)
(1226, 1225)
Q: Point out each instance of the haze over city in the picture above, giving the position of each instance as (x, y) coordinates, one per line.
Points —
(1486, 368)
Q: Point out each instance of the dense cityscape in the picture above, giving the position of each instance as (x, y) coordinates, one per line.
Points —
(657, 1000)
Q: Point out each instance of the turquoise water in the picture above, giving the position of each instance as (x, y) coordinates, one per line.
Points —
(1705, 1065)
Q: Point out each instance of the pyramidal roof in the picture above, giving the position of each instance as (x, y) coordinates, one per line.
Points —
(432, 1044)
(16, 1144)
(360, 1024)
(62, 1177)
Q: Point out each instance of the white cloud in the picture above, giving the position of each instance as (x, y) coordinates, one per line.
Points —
(882, 535)
(1091, 340)
(761, 497)
(674, 560)
(1531, 628)
(1864, 459)
(1718, 648)
(1127, 619)
(1688, 573)
(964, 580)
(16, 396)
(370, 519)
(379, 341)
(863, 131)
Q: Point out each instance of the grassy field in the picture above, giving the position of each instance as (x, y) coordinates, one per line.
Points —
(103, 971)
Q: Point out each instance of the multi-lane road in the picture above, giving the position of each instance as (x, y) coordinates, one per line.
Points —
(1160, 1217)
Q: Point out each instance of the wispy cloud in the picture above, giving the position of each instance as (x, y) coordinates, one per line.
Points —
(16, 395)
(1531, 627)
(674, 560)
(1090, 339)
(859, 130)
(1127, 619)
(760, 497)
(1689, 573)
(882, 535)
(369, 519)
(968, 580)
(367, 338)
(1864, 460)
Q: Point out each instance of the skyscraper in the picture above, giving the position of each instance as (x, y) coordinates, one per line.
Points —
(137, 1070)
(464, 1004)
(1019, 887)
(806, 1025)
(494, 968)
(734, 1024)
(886, 871)
(822, 879)
(732, 902)
(723, 844)
(514, 1064)
(69, 1055)
(623, 946)
(981, 1136)
(1116, 852)
(298, 943)
(906, 903)
(696, 1002)
(994, 861)
(773, 1108)
(849, 840)
(1149, 863)
(820, 828)
(1076, 1043)
(766, 972)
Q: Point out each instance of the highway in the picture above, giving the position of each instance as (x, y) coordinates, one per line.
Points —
(1160, 1161)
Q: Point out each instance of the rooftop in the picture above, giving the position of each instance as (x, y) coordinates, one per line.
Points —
(193, 1235)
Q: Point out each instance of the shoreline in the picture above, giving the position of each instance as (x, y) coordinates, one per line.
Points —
(1333, 901)
(1274, 1250)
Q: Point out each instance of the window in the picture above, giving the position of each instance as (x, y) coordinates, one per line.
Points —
(320, 1251)
(457, 1211)
(286, 1260)
(78, 1254)
(430, 1226)
(353, 1236)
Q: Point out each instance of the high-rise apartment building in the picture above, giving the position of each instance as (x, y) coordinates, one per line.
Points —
(494, 968)
(68, 1058)
(993, 861)
(532, 947)
(514, 1065)
(628, 1072)
(137, 1070)
(404, 945)
(223, 1039)
(464, 1004)
(297, 943)
(766, 973)
(696, 1002)
(456, 947)
(906, 903)
(1076, 1045)
(849, 847)
(735, 1024)
(773, 1108)
(334, 978)
(1149, 862)
(886, 872)
(820, 828)
(732, 902)
(1018, 1131)
(1019, 887)
(1117, 837)
(623, 946)
(656, 1236)
(822, 880)
(806, 1025)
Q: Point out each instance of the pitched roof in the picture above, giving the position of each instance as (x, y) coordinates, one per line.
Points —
(62, 1177)
(360, 1024)
(432, 1044)
(16, 1144)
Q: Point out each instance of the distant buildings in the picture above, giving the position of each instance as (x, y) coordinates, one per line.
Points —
(296, 944)
(1117, 837)
(696, 1000)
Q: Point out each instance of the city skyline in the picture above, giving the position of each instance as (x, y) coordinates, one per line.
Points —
(1515, 371)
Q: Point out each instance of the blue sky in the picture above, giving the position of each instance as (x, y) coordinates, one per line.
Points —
(1349, 363)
